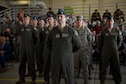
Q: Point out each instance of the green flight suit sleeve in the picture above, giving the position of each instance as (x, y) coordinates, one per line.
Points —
(100, 41)
(76, 41)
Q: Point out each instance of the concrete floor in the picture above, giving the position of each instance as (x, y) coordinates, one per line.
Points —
(11, 76)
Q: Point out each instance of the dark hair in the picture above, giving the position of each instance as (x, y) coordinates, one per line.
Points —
(50, 8)
(96, 10)
(118, 9)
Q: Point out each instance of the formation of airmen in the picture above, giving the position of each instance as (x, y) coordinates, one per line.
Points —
(63, 46)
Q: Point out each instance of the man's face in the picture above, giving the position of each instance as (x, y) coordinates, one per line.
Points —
(55, 23)
(35, 22)
(41, 22)
(2, 39)
(121, 27)
(79, 22)
(50, 20)
(61, 19)
(27, 19)
(110, 22)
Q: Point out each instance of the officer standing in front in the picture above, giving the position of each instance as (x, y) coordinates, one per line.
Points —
(62, 41)
(109, 41)
(82, 55)
(28, 39)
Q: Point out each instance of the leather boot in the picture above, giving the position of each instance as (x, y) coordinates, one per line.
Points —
(102, 82)
(85, 81)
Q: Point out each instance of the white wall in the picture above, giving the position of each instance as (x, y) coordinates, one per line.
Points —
(81, 7)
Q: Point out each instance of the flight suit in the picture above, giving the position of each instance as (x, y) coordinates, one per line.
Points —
(28, 39)
(108, 46)
(62, 44)
(38, 51)
(47, 57)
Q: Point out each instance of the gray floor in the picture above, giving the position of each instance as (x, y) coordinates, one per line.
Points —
(11, 76)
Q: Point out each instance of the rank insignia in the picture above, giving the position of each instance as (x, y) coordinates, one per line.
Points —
(57, 35)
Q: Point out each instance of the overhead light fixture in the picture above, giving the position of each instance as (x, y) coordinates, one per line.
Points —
(20, 2)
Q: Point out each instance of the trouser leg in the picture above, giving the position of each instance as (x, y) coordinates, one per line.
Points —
(46, 70)
(2, 61)
(22, 67)
(103, 66)
(77, 66)
(55, 74)
(116, 70)
(31, 62)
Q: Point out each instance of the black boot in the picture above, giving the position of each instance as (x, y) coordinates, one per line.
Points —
(102, 82)
(27, 75)
(33, 82)
(75, 82)
(20, 81)
(85, 81)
